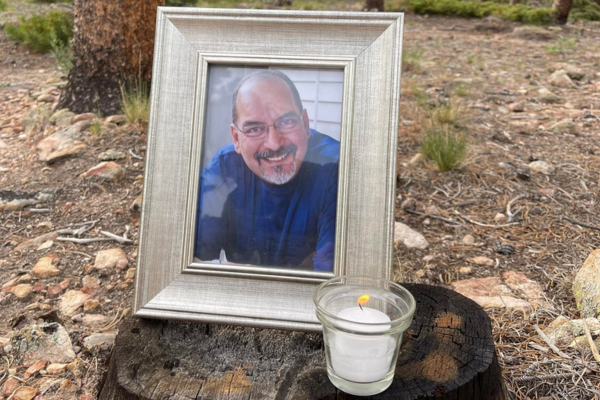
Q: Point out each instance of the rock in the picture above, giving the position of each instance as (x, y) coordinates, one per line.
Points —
(117, 119)
(57, 289)
(499, 217)
(71, 301)
(91, 284)
(90, 305)
(586, 286)
(533, 33)
(97, 339)
(130, 274)
(22, 291)
(505, 249)
(517, 107)
(63, 143)
(56, 368)
(24, 393)
(409, 205)
(111, 155)
(10, 386)
(46, 245)
(44, 268)
(564, 126)
(592, 323)
(541, 167)
(561, 79)
(34, 368)
(39, 116)
(47, 98)
(465, 270)
(432, 210)
(110, 258)
(24, 278)
(106, 170)
(490, 293)
(136, 205)
(468, 240)
(83, 117)
(47, 341)
(546, 96)
(3, 145)
(16, 201)
(417, 158)
(526, 288)
(409, 237)
(39, 287)
(95, 320)
(36, 242)
(481, 260)
(63, 112)
(572, 71)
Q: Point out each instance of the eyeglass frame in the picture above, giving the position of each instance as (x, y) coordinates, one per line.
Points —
(299, 116)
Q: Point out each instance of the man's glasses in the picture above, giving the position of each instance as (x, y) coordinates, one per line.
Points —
(283, 125)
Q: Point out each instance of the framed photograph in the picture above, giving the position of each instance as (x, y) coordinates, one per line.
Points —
(271, 162)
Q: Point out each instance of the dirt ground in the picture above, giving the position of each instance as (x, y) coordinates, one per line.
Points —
(480, 68)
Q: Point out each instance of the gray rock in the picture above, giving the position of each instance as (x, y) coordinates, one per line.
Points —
(97, 339)
(117, 119)
(37, 116)
(409, 237)
(561, 79)
(48, 341)
(546, 96)
(60, 114)
(586, 286)
(47, 98)
(111, 155)
(541, 167)
(63, 143)
(572, 71)
(564, 126)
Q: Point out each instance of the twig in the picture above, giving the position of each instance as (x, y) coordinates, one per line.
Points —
(588, 335)
(580, 223)
(120, 239)
(509, 205)
(549, 343)
(83, 241)
(39, 210)
(135, 155)
(484, 225)
(524, 379)
(449, 221)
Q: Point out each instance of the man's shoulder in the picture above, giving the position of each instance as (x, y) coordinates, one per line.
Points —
(224, 155)
(322, 148)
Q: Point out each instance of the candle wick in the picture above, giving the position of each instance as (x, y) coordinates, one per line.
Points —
(361, 307)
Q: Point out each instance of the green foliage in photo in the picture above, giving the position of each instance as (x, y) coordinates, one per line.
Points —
(41, 32)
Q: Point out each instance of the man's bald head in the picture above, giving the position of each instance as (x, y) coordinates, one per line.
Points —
(259, 76)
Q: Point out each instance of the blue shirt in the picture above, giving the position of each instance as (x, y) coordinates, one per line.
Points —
(255, 222)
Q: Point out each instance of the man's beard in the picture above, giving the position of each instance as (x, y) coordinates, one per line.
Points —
(276, 174)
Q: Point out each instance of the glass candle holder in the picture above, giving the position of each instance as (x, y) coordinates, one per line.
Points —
(363, 321)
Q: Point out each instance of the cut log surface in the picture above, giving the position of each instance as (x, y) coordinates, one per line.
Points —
(447, 353)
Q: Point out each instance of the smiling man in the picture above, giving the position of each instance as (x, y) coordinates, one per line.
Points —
(269, 198)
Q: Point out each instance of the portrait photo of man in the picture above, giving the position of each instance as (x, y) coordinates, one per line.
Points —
(268, 196)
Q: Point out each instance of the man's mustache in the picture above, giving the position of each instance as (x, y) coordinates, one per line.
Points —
(284, 150)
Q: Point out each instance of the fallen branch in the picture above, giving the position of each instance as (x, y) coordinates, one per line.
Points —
(135, 155)
(581, 223)
(550, 343)
(588, 336)
(120, 239)
(449, 221)
(82, 241)
(484, 225)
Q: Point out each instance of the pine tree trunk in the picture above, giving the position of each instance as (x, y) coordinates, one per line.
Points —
(374, 4)
(562, 7)
(113, 43)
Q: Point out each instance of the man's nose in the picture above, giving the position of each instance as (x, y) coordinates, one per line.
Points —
(273, 139)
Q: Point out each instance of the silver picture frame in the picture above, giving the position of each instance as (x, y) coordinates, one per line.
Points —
(368, 47)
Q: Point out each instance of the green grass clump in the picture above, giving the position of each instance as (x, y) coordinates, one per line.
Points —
(584, 10)
(41, 32)
(563, 45)
(3, 5)
(445, 146)
(472, 9)
(96, 128)
(135, 101)
(411, 60)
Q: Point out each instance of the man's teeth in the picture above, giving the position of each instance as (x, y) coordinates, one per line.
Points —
(277, 158)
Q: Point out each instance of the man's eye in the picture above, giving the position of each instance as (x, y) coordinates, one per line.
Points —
(288, 121)
(253, 130)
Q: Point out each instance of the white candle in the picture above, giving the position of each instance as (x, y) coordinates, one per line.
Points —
(362, 358)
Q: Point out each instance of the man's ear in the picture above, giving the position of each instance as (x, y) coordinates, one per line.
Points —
(236, 139)
(305, 122)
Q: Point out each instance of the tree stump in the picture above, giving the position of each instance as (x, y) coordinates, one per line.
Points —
(447, 353)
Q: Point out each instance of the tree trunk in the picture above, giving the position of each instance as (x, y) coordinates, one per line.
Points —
(374, 4)
(113, 43)
(447, 354)
(562, 7)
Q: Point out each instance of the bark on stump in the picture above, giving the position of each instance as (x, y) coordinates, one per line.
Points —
(447, 353)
